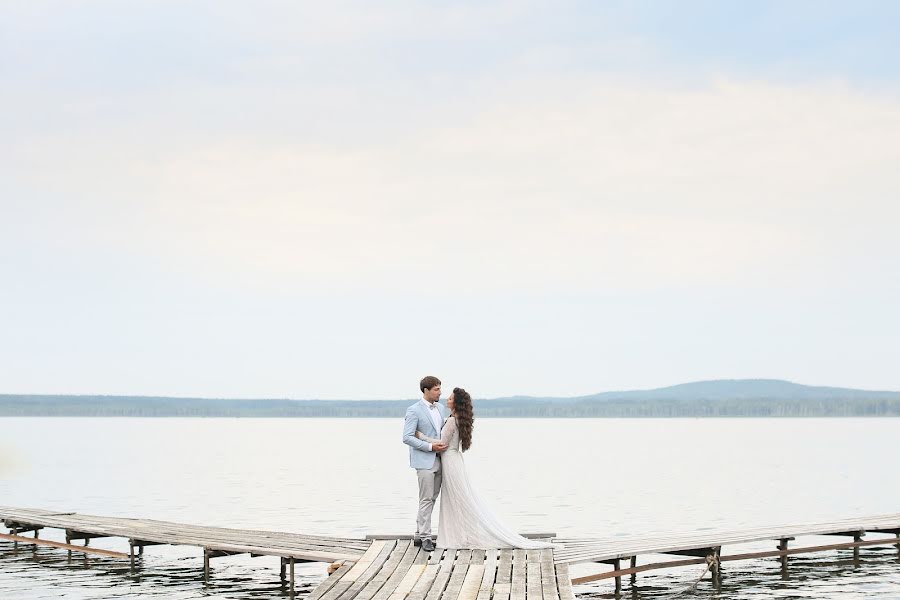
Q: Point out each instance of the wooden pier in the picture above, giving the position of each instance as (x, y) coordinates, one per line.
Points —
(291, 548)
(391, 567)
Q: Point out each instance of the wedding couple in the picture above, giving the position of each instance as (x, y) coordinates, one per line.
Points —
(436, 442)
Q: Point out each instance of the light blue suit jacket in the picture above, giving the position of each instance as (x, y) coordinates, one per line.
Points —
(418, 419)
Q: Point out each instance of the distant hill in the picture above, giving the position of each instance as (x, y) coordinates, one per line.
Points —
(744, 389)
(719, 398)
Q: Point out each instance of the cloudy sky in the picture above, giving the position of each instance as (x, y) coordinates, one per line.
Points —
(331, 200)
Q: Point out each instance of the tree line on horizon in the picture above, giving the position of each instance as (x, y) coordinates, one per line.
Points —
(133, 406)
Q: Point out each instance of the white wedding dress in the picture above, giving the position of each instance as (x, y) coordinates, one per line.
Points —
(465, 521)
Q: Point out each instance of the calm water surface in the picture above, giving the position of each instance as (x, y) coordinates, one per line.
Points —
(591, 477)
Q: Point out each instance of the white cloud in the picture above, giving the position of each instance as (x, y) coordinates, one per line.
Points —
(557, 182)
(216, 199)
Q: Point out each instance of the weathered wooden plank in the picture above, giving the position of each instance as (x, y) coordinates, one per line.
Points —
(272, 535)
(443, 575)
(256, 538)
(360, 567)
(519, 576)
(460, 569)
(489, 575)
(227, 534)
(564, 582)
(472, 582)
(548, 576)
(41, 542)
(503, 585)
(533, 582)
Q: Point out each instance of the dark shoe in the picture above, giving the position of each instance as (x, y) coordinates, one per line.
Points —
(417, 541)
(427, 545)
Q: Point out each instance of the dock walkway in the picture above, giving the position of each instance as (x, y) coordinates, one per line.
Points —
(147, 532)
(398, 570)
(583, 550)
(391, 567)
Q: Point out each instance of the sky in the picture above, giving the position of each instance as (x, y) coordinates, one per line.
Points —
(332, 200)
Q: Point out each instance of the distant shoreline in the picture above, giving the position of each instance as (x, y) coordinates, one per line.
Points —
(208, 417)
(741, 398)
(763, 408)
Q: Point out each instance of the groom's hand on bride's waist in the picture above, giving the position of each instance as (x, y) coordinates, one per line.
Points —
(438, 447)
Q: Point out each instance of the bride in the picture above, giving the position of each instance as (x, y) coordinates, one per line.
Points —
(465, 521)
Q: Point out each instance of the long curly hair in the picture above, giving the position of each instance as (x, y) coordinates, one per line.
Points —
(465, 416)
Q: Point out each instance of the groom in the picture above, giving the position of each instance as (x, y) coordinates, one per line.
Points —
(426, 416)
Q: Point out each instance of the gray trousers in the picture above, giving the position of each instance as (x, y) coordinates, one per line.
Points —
(429, 488)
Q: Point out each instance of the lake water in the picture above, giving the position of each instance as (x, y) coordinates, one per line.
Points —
(590, 477)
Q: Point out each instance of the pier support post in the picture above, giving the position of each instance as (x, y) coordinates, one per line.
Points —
(210, 553)
(857, 535)
(782, 546)
(292, 577)
(633, 565)
(131, 554)
(616, 566)
(715, 568)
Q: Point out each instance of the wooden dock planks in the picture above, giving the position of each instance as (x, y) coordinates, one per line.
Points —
(599, 550)
(405, 572)
(408, 573)
(393, 568)
(273, 543)
(516, 574)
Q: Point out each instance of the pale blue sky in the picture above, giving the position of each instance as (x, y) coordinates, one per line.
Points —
(308, 200)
